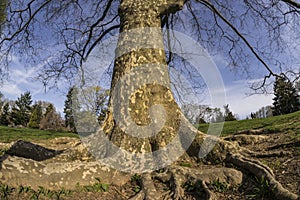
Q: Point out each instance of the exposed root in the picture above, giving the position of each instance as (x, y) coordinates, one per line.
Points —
(178, 192)
(209, 194)
(238, 156)
(268, 154)
(286, 144)
(245, 139)
(260, 170)
(252, 132)
(148, 191)
(139, 196)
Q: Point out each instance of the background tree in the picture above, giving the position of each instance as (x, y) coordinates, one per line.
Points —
(3, 4)
(36, 116)
(228, 114)
(68, 110)
(52, 120)
(2, 100)
(286, 98)
(22, 110)
(5, 115)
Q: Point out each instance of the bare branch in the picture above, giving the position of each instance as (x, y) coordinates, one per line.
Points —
(25, 26)
(215, 10)
(292, 3)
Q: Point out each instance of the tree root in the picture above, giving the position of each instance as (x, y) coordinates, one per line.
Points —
(268, 154)
(260, 170)
(286, 144)
(209, 194)
(178, 176)
(148, 191)
(230, 153)
(178, 192)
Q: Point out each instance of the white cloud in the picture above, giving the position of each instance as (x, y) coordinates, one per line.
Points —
(10, 90)
(243, 104)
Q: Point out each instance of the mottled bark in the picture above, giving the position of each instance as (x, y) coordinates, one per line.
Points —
(140, 46)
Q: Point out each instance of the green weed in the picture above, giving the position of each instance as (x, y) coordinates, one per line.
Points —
(96, 187)
(261, 190)
(219, 186)
(186, 164)
(5, 191)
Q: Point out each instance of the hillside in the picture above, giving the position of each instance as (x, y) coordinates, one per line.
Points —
(283, 123)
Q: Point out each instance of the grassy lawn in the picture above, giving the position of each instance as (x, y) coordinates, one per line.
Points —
(287, 123)
(8, 134)
(290, 122)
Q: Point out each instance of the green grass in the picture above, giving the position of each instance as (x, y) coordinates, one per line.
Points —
(9, 134)
(287, 123)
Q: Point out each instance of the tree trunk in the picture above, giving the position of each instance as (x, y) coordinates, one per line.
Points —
(148, 117)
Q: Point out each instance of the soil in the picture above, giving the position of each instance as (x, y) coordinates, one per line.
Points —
(280, 151)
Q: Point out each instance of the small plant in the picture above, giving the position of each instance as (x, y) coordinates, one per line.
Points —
(58, 193)
(137, 180)
(162, 170)
(184, 164)
(261, 190)
(5, 191)
(193, 187)
(24, 189)
(137, 189)
(96, 187)
(189, 186)
(219, 186)
(3, 151)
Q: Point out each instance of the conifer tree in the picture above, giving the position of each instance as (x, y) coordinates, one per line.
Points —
(5, 115)
(68, 110)
(286, 99)
(21, 111)
(228, 114)
(36, 116)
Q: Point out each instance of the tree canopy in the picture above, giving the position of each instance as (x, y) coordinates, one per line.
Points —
(257, 37)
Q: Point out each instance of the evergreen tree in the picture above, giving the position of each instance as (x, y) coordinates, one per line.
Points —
(228, 114)
(2, 101)
(49, 108)
(22, 110)
(36, 116)
(286, 98)
(68, 110)
(5, 115)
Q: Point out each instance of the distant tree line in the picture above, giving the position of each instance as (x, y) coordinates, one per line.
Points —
(199, 114)
(23, 113)
(43, 115)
